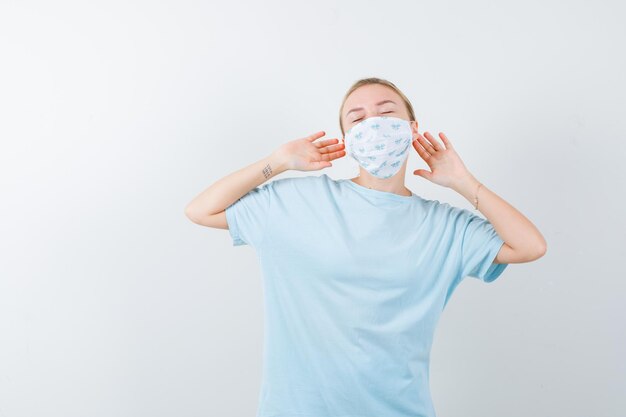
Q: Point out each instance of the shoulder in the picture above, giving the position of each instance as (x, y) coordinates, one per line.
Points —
(300, 185)
(300, 181)
(443, 210)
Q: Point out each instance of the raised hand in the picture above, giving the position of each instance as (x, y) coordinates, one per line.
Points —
(307, 155)
(446, 167)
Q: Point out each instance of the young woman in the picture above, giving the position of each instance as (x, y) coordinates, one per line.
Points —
(356, 272)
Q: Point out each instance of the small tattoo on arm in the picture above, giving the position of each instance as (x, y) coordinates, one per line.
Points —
(267, 171)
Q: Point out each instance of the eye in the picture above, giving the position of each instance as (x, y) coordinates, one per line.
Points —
(354, 121)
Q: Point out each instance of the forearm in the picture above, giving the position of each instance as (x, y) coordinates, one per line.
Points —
(228, 189)
(512, 226)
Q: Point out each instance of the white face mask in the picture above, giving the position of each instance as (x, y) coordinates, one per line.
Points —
(380, 144)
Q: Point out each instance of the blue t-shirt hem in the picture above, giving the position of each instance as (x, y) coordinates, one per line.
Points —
(494, 270)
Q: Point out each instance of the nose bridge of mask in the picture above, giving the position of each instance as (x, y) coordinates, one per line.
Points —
(378, 128)
(381, 121)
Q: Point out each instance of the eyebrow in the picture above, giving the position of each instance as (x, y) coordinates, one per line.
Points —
(378, 104)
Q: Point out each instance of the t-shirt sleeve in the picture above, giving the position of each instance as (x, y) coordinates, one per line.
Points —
(479, 246)
(247, 217)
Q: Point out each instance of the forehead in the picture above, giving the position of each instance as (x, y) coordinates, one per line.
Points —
(369, 95)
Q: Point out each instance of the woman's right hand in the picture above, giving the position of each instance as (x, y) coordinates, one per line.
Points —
(306, 155)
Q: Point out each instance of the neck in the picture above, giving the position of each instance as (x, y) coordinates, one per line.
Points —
(394, 184)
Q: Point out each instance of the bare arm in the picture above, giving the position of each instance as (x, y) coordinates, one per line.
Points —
(522, 240)
(208, 207)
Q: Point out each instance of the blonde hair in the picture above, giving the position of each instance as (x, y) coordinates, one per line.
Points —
(372, 80)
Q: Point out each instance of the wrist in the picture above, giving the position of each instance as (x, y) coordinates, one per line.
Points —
(467, 187)
(273, 165)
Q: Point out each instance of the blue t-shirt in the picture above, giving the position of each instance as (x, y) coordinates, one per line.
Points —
(354, 282)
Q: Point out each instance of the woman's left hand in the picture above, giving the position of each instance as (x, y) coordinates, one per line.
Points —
(446, 166)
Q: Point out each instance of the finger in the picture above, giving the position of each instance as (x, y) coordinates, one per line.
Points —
(425, 144)
(432, 141)
(423, 173)
(420, 150)
(446, 141)
(334, 155)
(325, 142)
(332, 148)
(315, 135)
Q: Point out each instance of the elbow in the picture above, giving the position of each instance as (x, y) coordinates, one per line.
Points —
(189, 213)
(541, 250)
(532, 253)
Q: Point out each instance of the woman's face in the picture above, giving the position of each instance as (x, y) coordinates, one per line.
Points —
(373, 100)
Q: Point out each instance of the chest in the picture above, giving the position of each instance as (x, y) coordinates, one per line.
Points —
(369, 249)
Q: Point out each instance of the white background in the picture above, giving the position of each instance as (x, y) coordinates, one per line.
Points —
(114, 115)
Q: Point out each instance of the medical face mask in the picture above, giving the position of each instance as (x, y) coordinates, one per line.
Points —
(380, 144)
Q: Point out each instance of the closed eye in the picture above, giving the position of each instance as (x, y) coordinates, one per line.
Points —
(362, 118)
